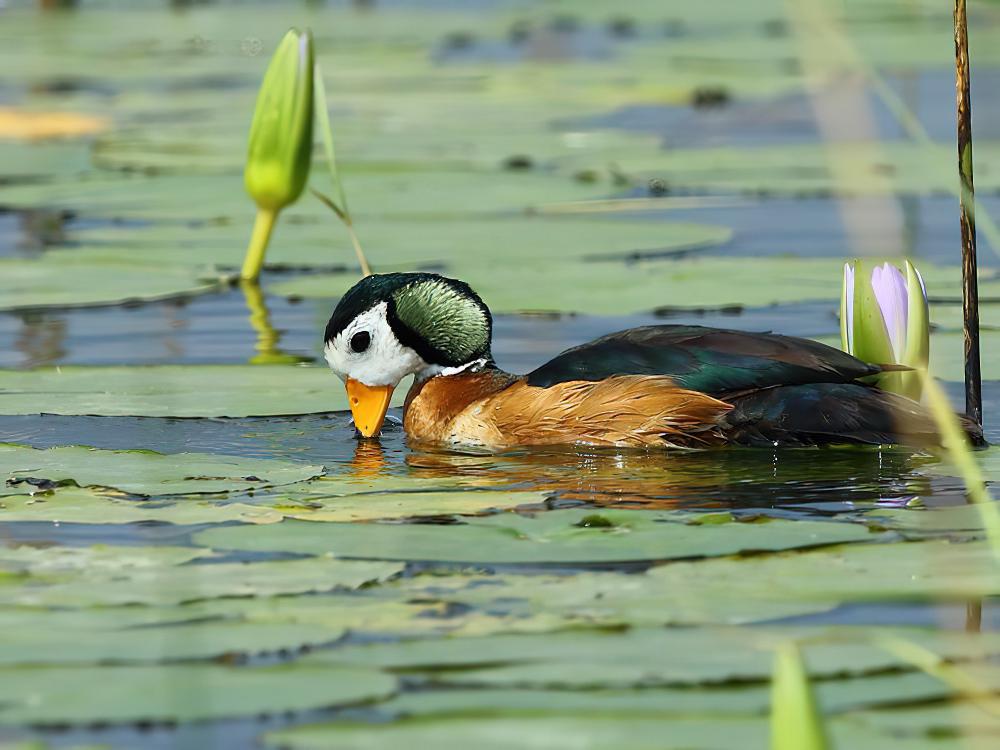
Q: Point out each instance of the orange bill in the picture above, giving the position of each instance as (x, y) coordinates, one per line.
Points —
(369, 403)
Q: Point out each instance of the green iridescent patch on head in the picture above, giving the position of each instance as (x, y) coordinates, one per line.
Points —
(449, 321)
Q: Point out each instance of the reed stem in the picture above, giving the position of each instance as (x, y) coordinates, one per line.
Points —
(366, 270)
(967, 203)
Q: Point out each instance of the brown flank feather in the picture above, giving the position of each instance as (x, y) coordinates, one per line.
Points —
(498, 411)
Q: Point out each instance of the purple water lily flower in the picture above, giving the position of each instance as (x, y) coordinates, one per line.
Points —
(884, 320)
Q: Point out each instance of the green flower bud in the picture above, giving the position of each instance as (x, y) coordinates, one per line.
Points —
(281, 135)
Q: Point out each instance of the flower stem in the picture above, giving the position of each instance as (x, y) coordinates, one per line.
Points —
(366, 270)
(262, 227)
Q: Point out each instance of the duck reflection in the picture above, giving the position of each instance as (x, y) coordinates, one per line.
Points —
(813, 480)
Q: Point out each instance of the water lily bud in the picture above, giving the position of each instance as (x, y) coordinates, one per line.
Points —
(884, 320)
(281, 140)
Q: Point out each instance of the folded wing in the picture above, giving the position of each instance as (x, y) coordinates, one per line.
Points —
(714, 361)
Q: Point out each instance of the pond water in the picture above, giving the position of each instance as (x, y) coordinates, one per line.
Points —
(196, 551)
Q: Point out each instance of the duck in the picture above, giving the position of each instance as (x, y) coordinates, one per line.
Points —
(657, 386)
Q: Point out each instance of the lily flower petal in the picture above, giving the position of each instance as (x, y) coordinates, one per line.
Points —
(847, 309)
(890, 292)
(918, 337)
(870, 338)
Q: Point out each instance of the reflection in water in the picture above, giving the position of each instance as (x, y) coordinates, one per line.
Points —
(798, 480)
(974, 616)
(41, 339)
(724, 478)
(266, 346)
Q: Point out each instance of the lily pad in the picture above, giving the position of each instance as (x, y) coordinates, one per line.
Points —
(182, 692)
(36, 639)
(403, 505)
(615, 289)
(559, 732)
(53, 561)
(600, 599)
(572, 731)
(84, 505)
(833, 696)
(644, 657)
(147, 472)
(393, 243)
(67, 280)
(555, 536)
(431, 192)
(934, 570)
(172, 391)
(130, 584)
(853, 169)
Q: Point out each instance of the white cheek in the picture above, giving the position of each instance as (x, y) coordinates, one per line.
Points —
(385, 362)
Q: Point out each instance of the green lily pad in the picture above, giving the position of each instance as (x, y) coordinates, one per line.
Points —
(403, 505)
(933, 570)
(603, 599)
(615, 289)
(957, 718)
(214, 198)
(34, 160)
(571, 731)
(182, 692)
(645, 657)
(172, 391)
(559, 732)
(393, 243)
(441, 140)
(68, 280)
(147, 472)
(833, 695)
(84, 505)
(35, 638)
(129, 584)
(853, 169)
(54, 562)
(555, 536)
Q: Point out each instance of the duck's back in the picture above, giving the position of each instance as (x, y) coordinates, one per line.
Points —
(782, 390)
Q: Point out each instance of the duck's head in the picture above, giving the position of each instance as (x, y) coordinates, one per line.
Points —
(392, 325)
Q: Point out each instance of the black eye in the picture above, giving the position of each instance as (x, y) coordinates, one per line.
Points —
(360, 341)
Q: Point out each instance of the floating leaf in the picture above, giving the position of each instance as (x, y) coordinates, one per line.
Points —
(178, 584)
(555, 536)
(615, 289)
(171, 391)
(106, 636)
(643, 657)
(145, 472)
(83, 505)
(181, 692)
(68, 280)
(409, 242)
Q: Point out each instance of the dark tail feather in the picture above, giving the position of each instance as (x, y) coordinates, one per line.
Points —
(974, 430)
(834, 413)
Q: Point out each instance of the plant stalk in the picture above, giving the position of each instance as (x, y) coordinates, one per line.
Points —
(967, 202)
(366, 270)
(974, 616)
(263, 225)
